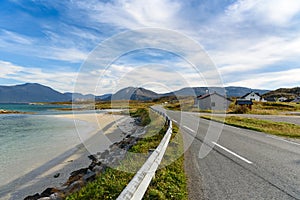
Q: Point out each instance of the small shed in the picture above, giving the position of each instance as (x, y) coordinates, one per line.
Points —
(244, 102)
(212, 101)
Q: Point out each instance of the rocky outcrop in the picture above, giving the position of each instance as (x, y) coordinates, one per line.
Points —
(99, 162)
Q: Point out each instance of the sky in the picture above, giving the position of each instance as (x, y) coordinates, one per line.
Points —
(250, 43)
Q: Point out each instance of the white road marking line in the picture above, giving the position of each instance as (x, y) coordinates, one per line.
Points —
(278, 138)
(234, 127)
(189, 129)
(175, 121)
(240, 157)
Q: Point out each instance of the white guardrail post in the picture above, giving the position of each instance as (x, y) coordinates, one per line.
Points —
(137, 187)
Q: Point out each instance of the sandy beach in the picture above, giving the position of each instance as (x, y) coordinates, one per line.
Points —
(107, 129)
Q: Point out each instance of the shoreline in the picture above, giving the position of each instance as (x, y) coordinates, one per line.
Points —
(72, 159)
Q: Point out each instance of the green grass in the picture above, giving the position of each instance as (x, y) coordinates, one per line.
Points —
(274, 128)
(181, 104)
(142, 114)
(169, 181)
(272, 108)
(267, 108)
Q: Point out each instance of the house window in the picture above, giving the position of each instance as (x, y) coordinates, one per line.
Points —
(213, 104)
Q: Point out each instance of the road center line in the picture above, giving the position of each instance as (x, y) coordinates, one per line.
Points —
(231, 152)
(189, 129)
(281, 139)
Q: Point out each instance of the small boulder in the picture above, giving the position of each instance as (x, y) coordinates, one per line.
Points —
(56, 175)
(90, 176)
(55, 196)
(93, 158)
(33, 197)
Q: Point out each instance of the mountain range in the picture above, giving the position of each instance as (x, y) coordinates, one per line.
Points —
(34, 92)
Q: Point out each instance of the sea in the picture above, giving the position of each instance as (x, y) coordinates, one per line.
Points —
(28, 141)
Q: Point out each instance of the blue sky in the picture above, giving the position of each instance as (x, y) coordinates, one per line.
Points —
(253, 43)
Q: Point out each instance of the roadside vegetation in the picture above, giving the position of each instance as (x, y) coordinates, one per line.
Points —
(169, 181)
(181, 104)
(266, 126)
(260, 108)
(265, 108)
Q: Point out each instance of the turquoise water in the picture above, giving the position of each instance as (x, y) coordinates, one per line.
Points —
(36, 108)
(29, 141)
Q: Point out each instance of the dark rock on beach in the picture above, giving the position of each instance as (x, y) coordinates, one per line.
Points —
(33, 197)
(56, 175)
(99, 162)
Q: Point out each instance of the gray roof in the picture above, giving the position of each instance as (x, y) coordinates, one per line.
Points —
(208, 95)
(250, 93)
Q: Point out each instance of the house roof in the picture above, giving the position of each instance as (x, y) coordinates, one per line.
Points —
(208, 95)
(250, 93)
(203, 96)
(243, 102)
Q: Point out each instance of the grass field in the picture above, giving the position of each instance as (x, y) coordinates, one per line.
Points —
(169, 181)
(274, 128)
(266, 108)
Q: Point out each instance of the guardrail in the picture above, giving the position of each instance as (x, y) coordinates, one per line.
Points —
(137, 187)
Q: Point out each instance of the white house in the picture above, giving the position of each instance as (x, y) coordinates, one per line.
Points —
(253, 96)
(213, 101)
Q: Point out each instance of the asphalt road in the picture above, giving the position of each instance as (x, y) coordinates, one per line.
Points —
(242, 164)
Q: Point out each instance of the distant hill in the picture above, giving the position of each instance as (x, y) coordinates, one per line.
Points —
(34, 92)
(79, 97)
(30, 92)
(289, 93)
(132, 93)
(230, 91)
(104, 97)
(233, 91)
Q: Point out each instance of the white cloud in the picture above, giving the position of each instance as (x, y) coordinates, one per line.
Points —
(253, 39)
(72, 55)
(248, 36)
(271, 80)
(159, 77)
(8, 69)
(7, 37)
(257, 55)
(132, 14)
(59, 80)
(275, 12)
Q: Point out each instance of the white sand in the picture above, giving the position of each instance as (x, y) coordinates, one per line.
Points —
(97, 120)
